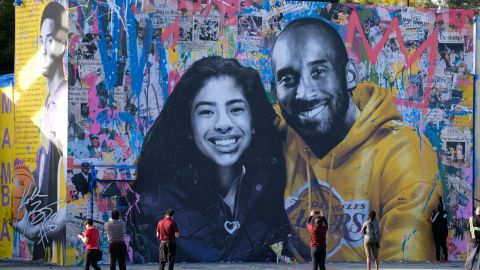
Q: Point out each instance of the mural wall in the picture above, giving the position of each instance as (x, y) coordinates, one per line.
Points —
(39, 205)
(354, 109)
(407, 133)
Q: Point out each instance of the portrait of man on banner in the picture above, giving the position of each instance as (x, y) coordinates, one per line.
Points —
(41, 212)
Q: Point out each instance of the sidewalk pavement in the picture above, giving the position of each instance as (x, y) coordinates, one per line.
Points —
(16, 265)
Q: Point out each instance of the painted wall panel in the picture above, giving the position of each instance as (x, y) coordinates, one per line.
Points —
(7, 130)
(127, 59)
(39, 205)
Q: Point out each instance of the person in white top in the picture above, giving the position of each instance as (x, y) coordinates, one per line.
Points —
(372, 238)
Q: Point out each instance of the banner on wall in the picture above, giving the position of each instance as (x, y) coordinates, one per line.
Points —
(6, 165)
(39, 204)
(243, 118)
(477, 116)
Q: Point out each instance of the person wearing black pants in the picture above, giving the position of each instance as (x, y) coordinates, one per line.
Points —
(167, 233)
(116, 245)
(91, 258)
(440, 232)
(118, 252)
(318, 242)
(168, 249)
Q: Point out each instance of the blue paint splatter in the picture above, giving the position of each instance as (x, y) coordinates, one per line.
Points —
(108, 55)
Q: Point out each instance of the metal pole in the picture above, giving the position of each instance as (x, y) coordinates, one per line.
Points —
(91, 187)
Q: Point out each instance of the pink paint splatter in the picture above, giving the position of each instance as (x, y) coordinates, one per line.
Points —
(95, 28)
(94, 102)
(172, 30)
(173, 78)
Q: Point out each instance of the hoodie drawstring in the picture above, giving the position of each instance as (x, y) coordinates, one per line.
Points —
(307, 150)
(329, 177)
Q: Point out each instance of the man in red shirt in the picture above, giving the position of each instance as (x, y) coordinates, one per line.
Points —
(167, 232)
(318, 243)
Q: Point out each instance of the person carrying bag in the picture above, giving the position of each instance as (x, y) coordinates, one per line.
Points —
(371, 241)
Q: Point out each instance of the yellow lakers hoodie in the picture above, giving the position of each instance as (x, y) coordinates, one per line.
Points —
(382, 165)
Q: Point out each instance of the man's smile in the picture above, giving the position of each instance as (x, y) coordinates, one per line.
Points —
(313, 109)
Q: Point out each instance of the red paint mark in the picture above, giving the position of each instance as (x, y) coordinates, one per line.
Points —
(95, 28)
(172, 30)
(134, 9)
(70, 162)
(458, 17)
(431, 43)
(189, 5)
(73, 42)
(93, 102)
(229, 7)
(173, 78)
(226, 8)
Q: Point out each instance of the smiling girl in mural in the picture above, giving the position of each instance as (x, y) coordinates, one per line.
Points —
(213, 156)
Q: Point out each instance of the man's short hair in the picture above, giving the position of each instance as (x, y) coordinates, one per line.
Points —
(115, 215)
(319, 24)
(169, 212)
(55, 11)
(89, 222)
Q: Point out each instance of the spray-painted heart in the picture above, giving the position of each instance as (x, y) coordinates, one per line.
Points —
(231, 226)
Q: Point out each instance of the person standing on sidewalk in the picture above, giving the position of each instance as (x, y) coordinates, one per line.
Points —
(318, 242)
(90, 238)
(167, 232)
(473, 246)
(371, 242)
(440, 232)
(115, 228)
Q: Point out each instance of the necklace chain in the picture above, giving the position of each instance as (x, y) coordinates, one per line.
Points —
(232, 226)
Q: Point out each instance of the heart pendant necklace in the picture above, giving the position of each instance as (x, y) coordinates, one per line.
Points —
(232, 226)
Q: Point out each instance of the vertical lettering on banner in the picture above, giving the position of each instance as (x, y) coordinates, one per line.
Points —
(6, 161)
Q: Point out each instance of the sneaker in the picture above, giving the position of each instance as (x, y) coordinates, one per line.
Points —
(444, 261)
(435, 261)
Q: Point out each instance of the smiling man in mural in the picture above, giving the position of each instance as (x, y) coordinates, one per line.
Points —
(347, 145)
(44, 200)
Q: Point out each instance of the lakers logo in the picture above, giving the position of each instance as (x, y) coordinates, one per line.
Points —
(345, 217)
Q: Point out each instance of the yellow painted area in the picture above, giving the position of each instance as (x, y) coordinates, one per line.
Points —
(172, 54)
(7, 130)
(466, 86)
(463, 121)
(29, 83)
